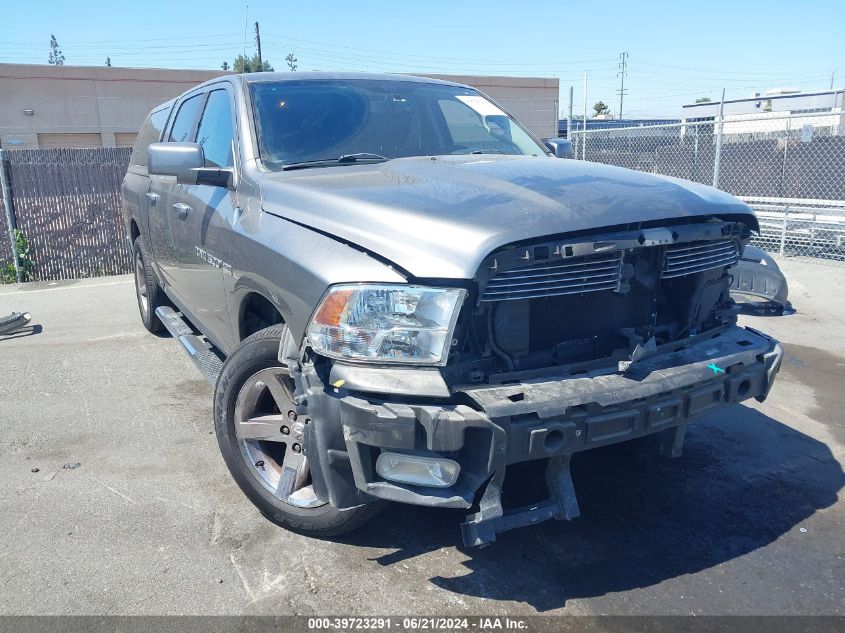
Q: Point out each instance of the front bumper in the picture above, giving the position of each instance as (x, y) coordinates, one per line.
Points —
(485, 428)
(759, 288)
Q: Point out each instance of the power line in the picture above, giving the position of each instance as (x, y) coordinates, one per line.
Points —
(142, 40)
(703, 70)
(381, 52)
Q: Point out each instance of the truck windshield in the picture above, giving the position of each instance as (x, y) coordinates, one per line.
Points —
(322, 120)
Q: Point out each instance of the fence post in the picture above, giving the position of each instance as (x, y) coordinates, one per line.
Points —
(785, 154)
(813, 233)
(10, 212)
(717, 163)
(695, 157)
(783, 230)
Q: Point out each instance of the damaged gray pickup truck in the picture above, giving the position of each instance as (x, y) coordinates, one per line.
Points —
(399, 294)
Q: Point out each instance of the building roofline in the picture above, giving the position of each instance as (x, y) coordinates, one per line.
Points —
(767, 97)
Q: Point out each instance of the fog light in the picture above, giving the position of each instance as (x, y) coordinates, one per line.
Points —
(436, 472)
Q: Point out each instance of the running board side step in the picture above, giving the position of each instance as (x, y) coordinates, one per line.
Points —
(199, 350)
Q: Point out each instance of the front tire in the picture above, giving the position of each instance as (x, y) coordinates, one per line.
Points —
(260, 437)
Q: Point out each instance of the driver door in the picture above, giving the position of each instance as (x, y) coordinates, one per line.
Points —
(200, 215)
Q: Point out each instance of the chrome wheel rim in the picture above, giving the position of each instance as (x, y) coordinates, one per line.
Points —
(141, 284)
(270, 435)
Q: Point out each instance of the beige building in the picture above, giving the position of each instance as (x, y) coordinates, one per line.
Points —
(532, 100)
(91, 106)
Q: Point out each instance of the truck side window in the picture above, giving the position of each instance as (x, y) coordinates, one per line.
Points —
(150, 133)
(185, 118)
(215, 132)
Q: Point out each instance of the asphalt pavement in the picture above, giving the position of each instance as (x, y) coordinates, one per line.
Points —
(115, 500)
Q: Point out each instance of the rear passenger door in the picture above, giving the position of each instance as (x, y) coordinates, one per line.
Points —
(137, 194)
(202, 215)
(165, 192)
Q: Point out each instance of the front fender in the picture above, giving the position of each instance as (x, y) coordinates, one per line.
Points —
(292, 266)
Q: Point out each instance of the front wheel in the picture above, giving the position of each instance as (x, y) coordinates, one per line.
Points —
(261, 436)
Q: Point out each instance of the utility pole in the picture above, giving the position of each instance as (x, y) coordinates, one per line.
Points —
(623, 65)
(258, 45)
(584, 129)
(832, 77)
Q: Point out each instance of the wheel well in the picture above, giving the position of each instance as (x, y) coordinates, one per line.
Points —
(257, 313)
(134, 232)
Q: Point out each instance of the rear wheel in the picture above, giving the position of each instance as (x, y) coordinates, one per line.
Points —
(150, 295)
(261, 439)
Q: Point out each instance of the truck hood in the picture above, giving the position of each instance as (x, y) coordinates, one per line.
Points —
(439, 217)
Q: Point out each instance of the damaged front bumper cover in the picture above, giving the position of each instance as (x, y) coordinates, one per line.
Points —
(485, 428)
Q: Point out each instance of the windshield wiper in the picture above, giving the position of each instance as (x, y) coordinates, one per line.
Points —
(344, 159)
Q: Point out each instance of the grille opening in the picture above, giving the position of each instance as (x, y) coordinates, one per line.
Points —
(568, 276)
(576, 314)
(694, 257)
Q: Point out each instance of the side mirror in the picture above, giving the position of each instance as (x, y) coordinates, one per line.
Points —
(560, 147)
(186, 161)
(176, 159)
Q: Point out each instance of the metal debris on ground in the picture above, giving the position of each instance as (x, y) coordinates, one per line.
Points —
(14, 321)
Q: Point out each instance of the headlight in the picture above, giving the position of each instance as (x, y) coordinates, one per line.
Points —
(386, 324)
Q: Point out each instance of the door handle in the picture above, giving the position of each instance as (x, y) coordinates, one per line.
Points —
(182, 209)
(152, 197)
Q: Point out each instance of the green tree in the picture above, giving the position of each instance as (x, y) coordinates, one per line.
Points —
(250, 65)
(225, 65)
(600, 108)
(291, 60)
(108, 61)
(56, 57)
(703, 100)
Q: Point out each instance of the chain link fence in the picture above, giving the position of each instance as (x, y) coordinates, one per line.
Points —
(789, 168)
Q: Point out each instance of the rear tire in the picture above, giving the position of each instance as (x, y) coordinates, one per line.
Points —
(149, 294)
(259, 440)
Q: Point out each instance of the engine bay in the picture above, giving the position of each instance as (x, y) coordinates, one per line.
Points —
(605, 299)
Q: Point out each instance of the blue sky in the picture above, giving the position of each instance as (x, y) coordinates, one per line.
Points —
(677, 51)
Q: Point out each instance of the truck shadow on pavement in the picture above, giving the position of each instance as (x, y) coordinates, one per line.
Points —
(29, 330)
(744, 480)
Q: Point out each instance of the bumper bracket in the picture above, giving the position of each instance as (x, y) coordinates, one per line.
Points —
(480, 529)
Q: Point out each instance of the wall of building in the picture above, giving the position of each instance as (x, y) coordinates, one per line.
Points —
(72, 105)
(532, 100)
(84, 106)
